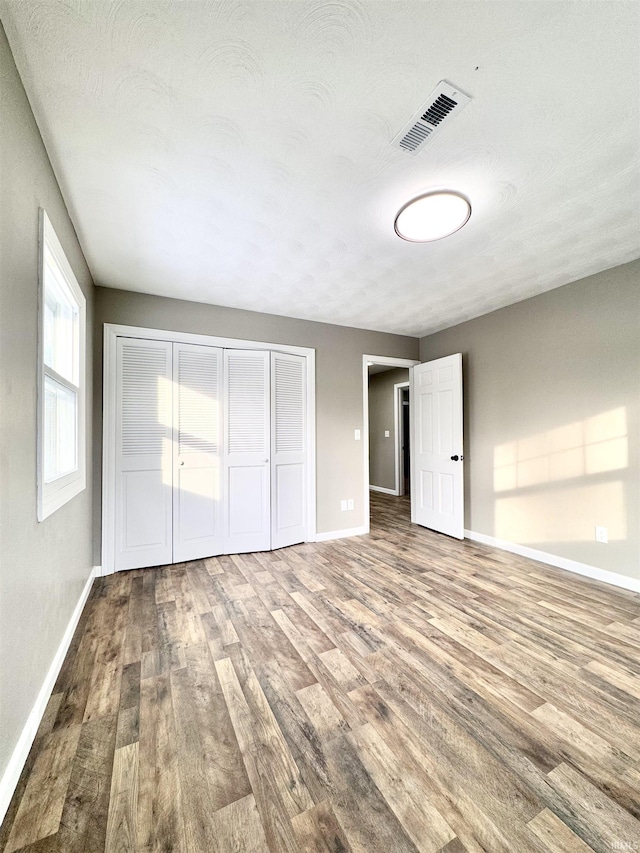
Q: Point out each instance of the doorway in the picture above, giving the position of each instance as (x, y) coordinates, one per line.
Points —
(386, 428)
(403, 438)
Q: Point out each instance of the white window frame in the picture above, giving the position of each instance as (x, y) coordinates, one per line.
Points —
(53, 495)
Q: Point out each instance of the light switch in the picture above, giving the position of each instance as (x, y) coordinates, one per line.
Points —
(350, 503)
(386, 433)
(356, 434)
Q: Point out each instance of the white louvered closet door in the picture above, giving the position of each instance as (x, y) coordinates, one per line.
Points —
(288, 449)
(246, 457)
(143, 481)
(197, 452)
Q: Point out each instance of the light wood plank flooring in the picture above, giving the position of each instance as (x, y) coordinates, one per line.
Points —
(395, 692)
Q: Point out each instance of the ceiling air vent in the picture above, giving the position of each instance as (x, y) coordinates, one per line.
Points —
(443, 104)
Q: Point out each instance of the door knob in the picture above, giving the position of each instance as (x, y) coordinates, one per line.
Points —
(182, 461)
(455, 458)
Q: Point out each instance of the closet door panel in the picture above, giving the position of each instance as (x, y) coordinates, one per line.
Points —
(197, 451)
(197, 499)
(246, 512)
(246, 461)
(288, 449)
(211, 453)
(143, 510)
(143, 535)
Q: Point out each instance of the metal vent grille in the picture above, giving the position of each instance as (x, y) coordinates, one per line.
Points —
(442, 105)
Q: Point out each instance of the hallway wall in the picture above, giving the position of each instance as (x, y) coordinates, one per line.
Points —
(382, 451)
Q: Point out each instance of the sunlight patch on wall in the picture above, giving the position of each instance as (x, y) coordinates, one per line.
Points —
(194, 440)
(592, 446)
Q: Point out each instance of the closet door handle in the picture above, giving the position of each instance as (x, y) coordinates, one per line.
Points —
(455, 458)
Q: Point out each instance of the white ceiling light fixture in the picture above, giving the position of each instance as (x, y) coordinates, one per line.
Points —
(432, 216)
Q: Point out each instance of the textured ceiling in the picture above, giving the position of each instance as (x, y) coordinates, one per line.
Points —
(239, 153)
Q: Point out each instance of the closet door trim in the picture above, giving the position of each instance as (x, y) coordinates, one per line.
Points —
(114, 331)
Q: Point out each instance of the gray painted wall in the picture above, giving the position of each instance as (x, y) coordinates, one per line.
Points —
(339, 351)
(43, 567)
(382, 451)
(552, 397)
(552, 420)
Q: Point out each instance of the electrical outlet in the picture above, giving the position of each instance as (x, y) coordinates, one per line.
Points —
(343, 506)
(602, 535)
(356, 434)
(350, 503)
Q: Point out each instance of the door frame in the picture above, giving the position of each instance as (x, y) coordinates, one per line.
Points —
(389, 361)
(398, 414)
(113, 331)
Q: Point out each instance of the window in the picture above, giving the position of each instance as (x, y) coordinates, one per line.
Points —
(61, 385)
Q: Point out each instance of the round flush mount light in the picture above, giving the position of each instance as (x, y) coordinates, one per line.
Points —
(432, 216)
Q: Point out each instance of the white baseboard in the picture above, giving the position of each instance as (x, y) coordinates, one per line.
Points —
(341, 534)
(18, 758)
(588, 571)
(383, 490)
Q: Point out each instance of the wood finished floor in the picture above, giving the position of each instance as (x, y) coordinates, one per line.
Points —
(395, 692)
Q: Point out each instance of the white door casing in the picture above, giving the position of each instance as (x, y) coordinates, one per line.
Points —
(437, 472)
(390, 361)
(288, 449)
(247, 525)
(398, 425)
(143, 454)
(197, 451)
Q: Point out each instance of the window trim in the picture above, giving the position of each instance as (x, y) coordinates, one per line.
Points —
(53, 495)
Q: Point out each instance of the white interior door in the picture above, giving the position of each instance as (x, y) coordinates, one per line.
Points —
(143, 481)
(437, 481)
(288, 450)
(197, 452)
(247, 446)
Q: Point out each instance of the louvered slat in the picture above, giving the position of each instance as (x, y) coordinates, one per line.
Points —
(145, 400)
(289, 405)
(445, 102)
(246, 404)
(198, 402)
